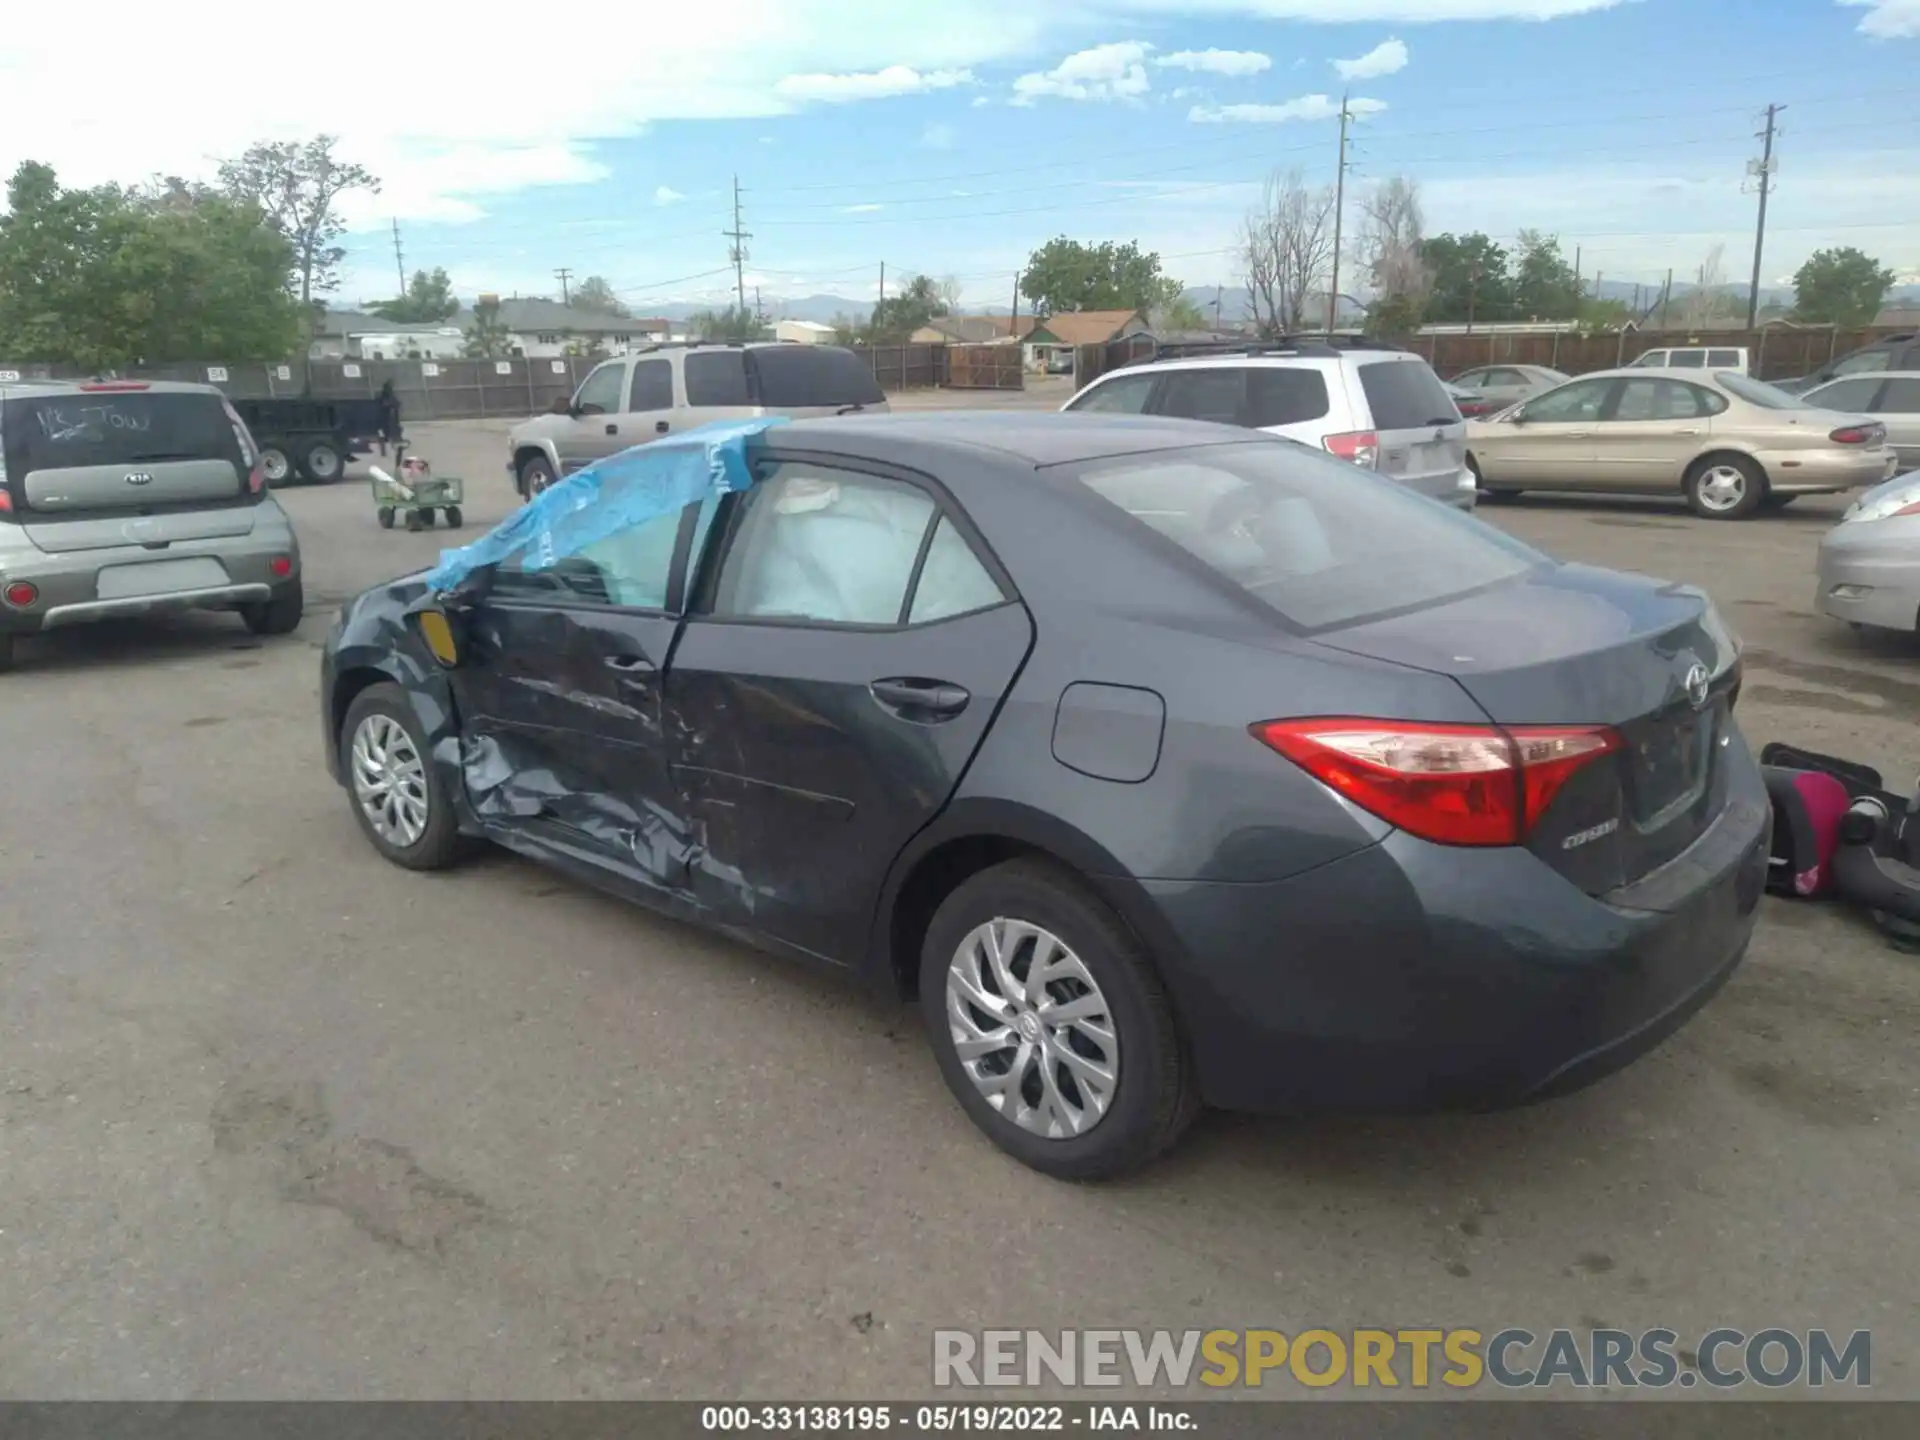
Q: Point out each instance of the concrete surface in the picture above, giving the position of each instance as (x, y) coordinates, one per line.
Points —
(278, 1119)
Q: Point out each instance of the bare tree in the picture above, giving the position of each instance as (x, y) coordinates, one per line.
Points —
(1391, 232)
(297, 187)
(948, 293)
(1707, 302)
(1286, 249)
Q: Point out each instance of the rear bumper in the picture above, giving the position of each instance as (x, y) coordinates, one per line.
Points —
(1815, 472)
(81, 586)
(1869, 573)
(1410, 976)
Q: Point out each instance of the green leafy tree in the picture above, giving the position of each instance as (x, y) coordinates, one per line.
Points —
(1181, 314)
(1840, 287)
(429, 298)
(1469, 279)
(108, 277)
(1394, 316)
(735, 322)
(1544, 284)
(898, 316)
(297, 186)
(595, 294)
(1066, 274)
(487, 336)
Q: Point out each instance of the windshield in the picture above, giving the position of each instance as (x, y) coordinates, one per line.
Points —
(1757, 392)
(1322, 543)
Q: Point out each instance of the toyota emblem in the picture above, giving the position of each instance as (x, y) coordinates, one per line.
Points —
(1699, 686)
(139, 477)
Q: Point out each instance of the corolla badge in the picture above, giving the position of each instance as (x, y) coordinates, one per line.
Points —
(1699, 686)
(139, 477)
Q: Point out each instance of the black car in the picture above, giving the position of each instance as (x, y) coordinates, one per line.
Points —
(1895, 352)
(1164, 763)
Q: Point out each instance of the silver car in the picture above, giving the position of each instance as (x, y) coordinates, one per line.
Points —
(1509, 384)
(1869, 565)
(632, 399)
(125, 498)
(1891, 397)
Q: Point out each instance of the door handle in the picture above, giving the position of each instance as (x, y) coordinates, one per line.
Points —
(1575, 435)
(1686, 432)
(928, 697)
(660, 427)
(629, 664)
(612, 429)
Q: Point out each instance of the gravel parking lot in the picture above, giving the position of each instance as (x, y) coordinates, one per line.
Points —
(279, 1119)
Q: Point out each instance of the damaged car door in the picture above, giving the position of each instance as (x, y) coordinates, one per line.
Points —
(560, 699)
(843, 657)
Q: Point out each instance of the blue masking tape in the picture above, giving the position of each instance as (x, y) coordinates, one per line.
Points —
(611, 495)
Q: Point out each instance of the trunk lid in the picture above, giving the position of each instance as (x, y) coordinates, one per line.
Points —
(1577, 646)
(1423, 440)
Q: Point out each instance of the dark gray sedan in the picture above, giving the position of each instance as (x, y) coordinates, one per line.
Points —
(1166, 764)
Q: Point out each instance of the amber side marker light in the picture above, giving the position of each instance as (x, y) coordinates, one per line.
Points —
(437, 631)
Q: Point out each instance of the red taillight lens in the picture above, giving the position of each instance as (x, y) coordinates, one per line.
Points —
(1452, 784)
(281, 566)
(6, 501)
(256, 479)
(1362, 447)
(1858, 435)
(20, 594)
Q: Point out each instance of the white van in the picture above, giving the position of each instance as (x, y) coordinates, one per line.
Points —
(1696, 357)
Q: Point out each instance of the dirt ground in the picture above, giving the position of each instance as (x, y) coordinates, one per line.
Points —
(278, 1119)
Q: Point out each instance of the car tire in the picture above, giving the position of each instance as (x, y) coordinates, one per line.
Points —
(275, 465)
(418, 830)
(385, 516)
(321, 462)
(535, 475)
(279, 615)
(1725, 487)
(1154, 1097)
(454, 518)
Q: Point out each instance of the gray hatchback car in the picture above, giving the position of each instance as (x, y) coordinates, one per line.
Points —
(121, 498)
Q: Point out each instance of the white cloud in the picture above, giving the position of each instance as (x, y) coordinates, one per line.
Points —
(1388, 12)
(867, 209)
(667, 195)
(938, 136)
(1304, 107)
(1218, 62)
(1105, 72)
(871, 85)
(980, 102)
(1389, 57)
(1888, 19)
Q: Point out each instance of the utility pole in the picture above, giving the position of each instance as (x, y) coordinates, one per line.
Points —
(759, 310)
(1597, 278)
(399, 264)
(738, 252)
(563, 275)
(1764, 170)
(1473, 291)
(1666, 298)
(1339, 210)
(1013, 328)
(883, 285)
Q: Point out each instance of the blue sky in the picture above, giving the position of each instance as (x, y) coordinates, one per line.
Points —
(953, 141)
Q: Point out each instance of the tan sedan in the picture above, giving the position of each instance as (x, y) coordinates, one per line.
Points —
(1729, 444)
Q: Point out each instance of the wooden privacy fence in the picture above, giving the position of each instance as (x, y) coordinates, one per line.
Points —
(1775, 352)
(985, 367)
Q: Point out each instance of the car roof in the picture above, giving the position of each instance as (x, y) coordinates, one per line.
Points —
(1033, 438)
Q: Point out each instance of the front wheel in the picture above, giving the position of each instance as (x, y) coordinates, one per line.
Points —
(398, 799)
(275, 467)
(535, 475)
(278, 616)
(321, 462)
(454, 518)
(1051, 1026)
(1726, 487)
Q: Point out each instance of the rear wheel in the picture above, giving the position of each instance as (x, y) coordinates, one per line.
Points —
(278, 616)
(1051, 1026)
(385, 515)
(321, 462)
(1725, 487)
(535, 475)
(398, 799)
(454, 518)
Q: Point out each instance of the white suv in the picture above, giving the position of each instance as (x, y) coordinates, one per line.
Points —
(1373, 404)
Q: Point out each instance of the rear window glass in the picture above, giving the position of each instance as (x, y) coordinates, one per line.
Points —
(1756, 392)
(717, 377)
(1321, 543)
(1215, 392)
(1405, 395)
(807, 377)
(61, 432)
(1279, 396)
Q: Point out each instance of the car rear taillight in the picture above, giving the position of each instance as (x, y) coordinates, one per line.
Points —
(281, 566)
(1452, 784)
(1362, 447)
(256, 479)
(6, 501)
(1858, 435)
(20, 594)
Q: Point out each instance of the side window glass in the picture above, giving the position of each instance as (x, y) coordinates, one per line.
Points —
(1864, 361)
(1570, 402)
(1844, 395)
(1118, 397)
(652, 387)
(1902, 397)
(1215, 392)
(1689, 360)
(824, 545)
(952, 581)
(630, 568)
(600, 393)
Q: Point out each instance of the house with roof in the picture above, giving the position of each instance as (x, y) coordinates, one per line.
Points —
(1049, 344)
(546, 329)
(803, 332)
(968, 330)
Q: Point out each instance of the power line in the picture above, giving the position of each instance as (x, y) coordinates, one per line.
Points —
(1764, 171)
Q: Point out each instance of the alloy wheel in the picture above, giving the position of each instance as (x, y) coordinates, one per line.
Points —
(390, 781)
(1722, 488)
(1032, 1029)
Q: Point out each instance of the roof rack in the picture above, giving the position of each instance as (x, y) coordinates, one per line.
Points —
(1317, 347)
